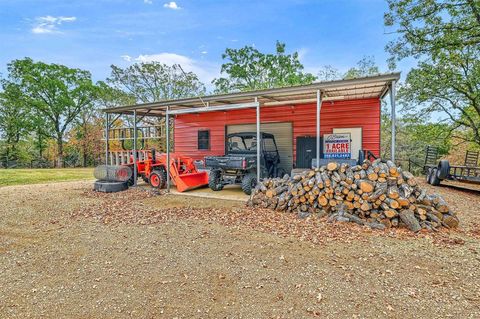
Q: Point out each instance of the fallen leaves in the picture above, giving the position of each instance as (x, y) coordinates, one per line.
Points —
(128, 208)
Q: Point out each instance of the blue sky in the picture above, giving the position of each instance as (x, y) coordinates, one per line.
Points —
(93, 34)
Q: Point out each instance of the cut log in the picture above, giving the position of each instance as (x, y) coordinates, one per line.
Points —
(326, 180)
(409, 178)
(376, 194)
(403, 202)
(408, 218)
(390, 213)
(405, 190)
(276, 191)
(365, 185)
(392, 169)
(392, 203)
(366, 206)
(450, 221)
(322, 200)
(393, 192)
(371, 174)
(332, 166)
(441, 205)
(394, 222)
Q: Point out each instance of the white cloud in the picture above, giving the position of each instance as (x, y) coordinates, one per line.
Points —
(206, 71)
(204, 52)
(148, 1)
(126, 57)
(171, 5)
(166, 58)
(49, 24)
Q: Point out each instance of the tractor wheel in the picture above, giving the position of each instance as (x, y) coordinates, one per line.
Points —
(110, 187)
(443, 169)
(434, 180)
(249, 182)
(158, 178)
(215, 180)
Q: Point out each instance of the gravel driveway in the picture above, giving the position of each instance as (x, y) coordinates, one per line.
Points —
(68, 252)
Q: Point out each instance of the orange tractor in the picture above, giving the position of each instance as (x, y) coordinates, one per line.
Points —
(152, 167)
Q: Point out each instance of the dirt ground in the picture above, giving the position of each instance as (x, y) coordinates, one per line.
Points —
(68, 252)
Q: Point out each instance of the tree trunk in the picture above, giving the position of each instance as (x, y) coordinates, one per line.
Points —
(59, 152)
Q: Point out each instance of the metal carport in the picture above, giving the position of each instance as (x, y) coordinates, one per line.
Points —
(377, 86)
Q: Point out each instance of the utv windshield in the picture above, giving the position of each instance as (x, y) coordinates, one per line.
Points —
(242, 144)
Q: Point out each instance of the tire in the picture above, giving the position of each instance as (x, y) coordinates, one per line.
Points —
(215, 180)
(443, 169)
(249, 182)
(131, 180)
(434, 180)
(109, 187)
(158, 178)
(427, 175)
(281, 172)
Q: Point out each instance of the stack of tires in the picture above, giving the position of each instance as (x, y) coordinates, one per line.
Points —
(436, 174)
(111, 178)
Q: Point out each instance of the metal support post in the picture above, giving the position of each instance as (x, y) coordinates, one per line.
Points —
(167, 127)
(107, 126)
(319, 107)
(393, 118)
(258, 141)
(135, 153)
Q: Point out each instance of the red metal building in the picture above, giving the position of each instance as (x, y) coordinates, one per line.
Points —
(200, 124)
(358, 113)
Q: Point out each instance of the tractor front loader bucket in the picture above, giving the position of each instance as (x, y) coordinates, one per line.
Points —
(189, 181)
(185, 175)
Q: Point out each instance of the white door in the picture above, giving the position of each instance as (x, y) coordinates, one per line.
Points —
(356, 136)
(283, 133)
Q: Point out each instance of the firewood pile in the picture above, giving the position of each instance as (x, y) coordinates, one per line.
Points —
(377, 194)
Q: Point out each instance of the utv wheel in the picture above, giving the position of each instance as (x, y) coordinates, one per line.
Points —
(281, 173)
(249, 182)
(158, 178)
(215, 180)
(434, 180)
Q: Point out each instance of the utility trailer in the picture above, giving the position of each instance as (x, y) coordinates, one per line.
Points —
(436, 171)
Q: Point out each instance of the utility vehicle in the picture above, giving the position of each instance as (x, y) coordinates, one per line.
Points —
(239, 164)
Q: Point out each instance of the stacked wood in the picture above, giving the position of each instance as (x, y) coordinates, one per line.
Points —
(377, 194)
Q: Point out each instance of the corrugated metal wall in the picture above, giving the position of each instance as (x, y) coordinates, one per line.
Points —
(352, 113)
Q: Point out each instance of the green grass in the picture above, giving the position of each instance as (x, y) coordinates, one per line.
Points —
(43, 175)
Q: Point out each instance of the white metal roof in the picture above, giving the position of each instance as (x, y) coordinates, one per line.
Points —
(358, 88)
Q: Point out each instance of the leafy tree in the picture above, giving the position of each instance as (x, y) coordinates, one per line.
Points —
(14, 120)
(55, 93)
(445, 37)
(364, 67)
(329, 73)
(427, 28)
(151, 82)
(109, 96)
(154, 81)
(249, 69)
